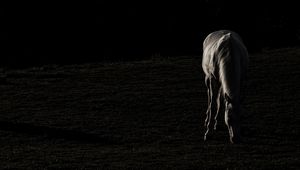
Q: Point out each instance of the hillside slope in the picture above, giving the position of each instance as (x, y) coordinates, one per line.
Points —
(146, 115)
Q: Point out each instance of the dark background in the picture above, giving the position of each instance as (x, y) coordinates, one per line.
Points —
(48, 32)
(148, 114)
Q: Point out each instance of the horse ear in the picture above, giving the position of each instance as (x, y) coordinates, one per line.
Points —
(227, 98)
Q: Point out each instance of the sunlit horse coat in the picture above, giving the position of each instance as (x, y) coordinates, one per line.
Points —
(224, 63)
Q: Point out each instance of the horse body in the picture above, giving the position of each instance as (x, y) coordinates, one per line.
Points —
(224, 63)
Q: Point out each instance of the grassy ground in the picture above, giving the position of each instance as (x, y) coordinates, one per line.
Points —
(146, 115)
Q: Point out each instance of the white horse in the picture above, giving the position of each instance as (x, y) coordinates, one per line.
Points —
(224, 63)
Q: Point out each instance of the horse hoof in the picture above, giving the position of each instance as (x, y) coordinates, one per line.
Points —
(215, 127)
(204, 139)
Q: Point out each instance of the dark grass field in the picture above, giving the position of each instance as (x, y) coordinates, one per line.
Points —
(146, 115)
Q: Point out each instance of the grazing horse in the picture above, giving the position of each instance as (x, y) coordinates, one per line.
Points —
(224, 63)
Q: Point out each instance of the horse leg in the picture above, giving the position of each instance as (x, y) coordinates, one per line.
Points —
(237, 127)
(234, 132)
(233, 123)
(228, 123)
(218, 107)
(207, 81)
(208, 116)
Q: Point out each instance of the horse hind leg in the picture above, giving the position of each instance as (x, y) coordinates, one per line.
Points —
(207, 82)
(218, 107)
(208, 113)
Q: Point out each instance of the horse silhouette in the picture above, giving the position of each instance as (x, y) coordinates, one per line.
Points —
(224, 63)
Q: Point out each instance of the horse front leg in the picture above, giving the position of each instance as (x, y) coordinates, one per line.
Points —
(232, 120)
